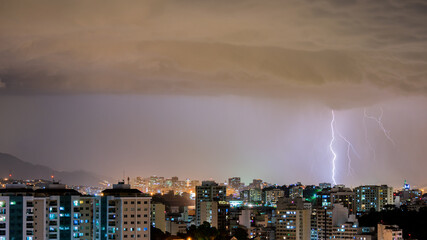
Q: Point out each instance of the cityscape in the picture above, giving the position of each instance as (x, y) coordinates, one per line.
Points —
(213, 120)
(169, 208)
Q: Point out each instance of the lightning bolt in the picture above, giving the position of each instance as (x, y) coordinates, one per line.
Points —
(350, 148)
(332, 149)
(378, 120)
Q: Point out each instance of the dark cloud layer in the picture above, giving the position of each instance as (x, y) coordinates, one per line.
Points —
(273, 48)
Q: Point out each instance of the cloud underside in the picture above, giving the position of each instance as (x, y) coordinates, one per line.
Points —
(352, 53)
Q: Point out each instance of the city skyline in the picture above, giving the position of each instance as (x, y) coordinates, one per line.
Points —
(282, 91)
(121, 211)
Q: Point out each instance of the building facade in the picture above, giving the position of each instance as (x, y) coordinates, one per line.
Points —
(372, 196)
(122, 213)
(56, 212)
(293, 219)
(209, 191)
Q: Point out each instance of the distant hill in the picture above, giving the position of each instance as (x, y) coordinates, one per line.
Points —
(24, 170)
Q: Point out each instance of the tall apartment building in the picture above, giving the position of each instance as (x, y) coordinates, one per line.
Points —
(86, 217)
(158, 219)
(58, 213)
(50, 213)
(321, 223)
(293, 219)
(63, 218)
(221, 215)
(372, 196)
(209, 191)
(344, 196)
(16, 213)
(122, 213)
(216, 213)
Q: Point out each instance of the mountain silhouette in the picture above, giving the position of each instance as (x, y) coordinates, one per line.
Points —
(22, 170)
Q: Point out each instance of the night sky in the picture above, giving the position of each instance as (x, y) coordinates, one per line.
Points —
(214, 89)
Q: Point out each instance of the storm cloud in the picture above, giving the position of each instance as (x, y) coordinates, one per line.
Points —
(250, 48)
